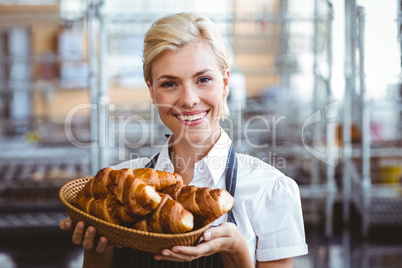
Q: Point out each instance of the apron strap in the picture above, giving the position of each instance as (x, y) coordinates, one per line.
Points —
(152, 163)
(231, 179)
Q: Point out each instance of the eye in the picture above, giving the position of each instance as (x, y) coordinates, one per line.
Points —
(168, 84)
(205, 79)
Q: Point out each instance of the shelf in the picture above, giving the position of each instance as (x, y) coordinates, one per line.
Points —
(315, 191)
(25, 15)
(386, 191)
(377, 152)
(149, 17)
(29, 220)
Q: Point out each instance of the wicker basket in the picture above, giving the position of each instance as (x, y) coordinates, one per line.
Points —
(127, 237)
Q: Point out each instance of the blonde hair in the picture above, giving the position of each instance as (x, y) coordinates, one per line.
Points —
(173, 32)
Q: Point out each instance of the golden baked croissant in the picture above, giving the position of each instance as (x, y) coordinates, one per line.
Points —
(151, 200)
(117, 196)
(159, 179)
(204, 203)
(169, 217)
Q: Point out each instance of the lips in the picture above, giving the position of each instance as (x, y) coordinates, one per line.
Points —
(192, 117)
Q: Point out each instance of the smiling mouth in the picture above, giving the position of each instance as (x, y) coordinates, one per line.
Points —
(190, 118)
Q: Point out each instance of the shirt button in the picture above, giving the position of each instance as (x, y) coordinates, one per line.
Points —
(201, 168)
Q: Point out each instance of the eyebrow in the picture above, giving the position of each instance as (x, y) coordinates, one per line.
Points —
(167, 76)
(202, 72)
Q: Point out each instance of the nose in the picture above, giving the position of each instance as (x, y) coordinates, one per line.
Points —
(189, 96)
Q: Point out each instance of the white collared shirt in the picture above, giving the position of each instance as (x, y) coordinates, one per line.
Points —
(267, 204)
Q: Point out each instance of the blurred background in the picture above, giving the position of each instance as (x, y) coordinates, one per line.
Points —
(315, 91)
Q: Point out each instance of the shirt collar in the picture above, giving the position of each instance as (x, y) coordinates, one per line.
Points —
(164, 163)
(217, 156)
(215, 160)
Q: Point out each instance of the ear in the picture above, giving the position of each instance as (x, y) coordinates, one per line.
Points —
(151, 93)
(226, 76)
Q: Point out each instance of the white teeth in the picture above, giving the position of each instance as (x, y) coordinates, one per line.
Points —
(192, 117)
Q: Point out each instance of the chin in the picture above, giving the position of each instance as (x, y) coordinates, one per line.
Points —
(202, 134)
(201, 138)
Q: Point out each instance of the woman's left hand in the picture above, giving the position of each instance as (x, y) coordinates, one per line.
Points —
(224, 239)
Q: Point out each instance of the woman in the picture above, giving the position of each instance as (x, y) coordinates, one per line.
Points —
(187, 72)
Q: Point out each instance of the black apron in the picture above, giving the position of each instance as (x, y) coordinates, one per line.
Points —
(130, 258)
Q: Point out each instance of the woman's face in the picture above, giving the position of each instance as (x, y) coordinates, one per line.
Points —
(188, 88)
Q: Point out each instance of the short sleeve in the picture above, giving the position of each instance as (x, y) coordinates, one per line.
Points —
(278, 221)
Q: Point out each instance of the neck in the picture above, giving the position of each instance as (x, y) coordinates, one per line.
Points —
(185, 154)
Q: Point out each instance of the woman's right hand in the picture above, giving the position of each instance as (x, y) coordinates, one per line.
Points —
(84, 237)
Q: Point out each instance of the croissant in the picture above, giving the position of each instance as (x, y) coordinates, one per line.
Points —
(159, 179)
(204, 203)
(117, 196)
(169, 217)
(151, 200)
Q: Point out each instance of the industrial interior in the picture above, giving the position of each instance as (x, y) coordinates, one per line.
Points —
(315, 91)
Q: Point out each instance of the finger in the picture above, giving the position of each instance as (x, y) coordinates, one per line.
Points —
(203, 249)
(101, 247)
(66, 224)
(183, 251)
(88, 242)
(190, 253)
(168, 255)
(213, 239)
(165, 258)
(225, 229)
(78, 233)
(208, 248)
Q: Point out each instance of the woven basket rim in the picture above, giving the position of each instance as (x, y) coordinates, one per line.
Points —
(123, 228)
